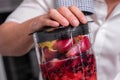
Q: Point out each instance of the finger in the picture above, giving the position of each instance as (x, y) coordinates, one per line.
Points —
(68, 15)
(46, 21)
(55, 15)
(42, 21)
(76, 11)
(51, 23)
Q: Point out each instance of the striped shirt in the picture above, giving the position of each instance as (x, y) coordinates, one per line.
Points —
(84, 5)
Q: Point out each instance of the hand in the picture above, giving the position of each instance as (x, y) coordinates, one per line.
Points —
(66, 16)
(62, 16)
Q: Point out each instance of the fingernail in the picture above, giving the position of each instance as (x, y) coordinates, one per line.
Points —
(75, 22)
(84, 20)
(65, 22)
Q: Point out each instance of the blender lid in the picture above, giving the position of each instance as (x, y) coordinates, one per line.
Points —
(61, 32)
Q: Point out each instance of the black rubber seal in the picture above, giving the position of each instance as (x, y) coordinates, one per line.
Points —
(61, 33)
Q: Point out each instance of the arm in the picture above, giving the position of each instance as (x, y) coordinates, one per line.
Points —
(15, 39)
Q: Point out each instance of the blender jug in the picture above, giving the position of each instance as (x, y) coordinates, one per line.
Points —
(65, 53)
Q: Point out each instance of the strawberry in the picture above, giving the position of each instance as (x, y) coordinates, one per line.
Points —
(73, 51)
(51, 69)
(81, 46)
(66, 78)
(55, 64)
(85, 44)
(49, 54)
(93, 77)
(63, 45)
(79, 75)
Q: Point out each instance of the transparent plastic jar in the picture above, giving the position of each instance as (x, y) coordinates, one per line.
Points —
(65, 53)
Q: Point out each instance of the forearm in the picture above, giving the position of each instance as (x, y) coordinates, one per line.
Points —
(15, 39)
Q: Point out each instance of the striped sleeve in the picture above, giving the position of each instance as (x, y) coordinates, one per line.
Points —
(84, 5)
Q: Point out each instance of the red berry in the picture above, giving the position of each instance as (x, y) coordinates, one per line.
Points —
(55, 64)
(63, 45)
(85, 44)
(48, 54)
(81, 46)
(73, 51)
